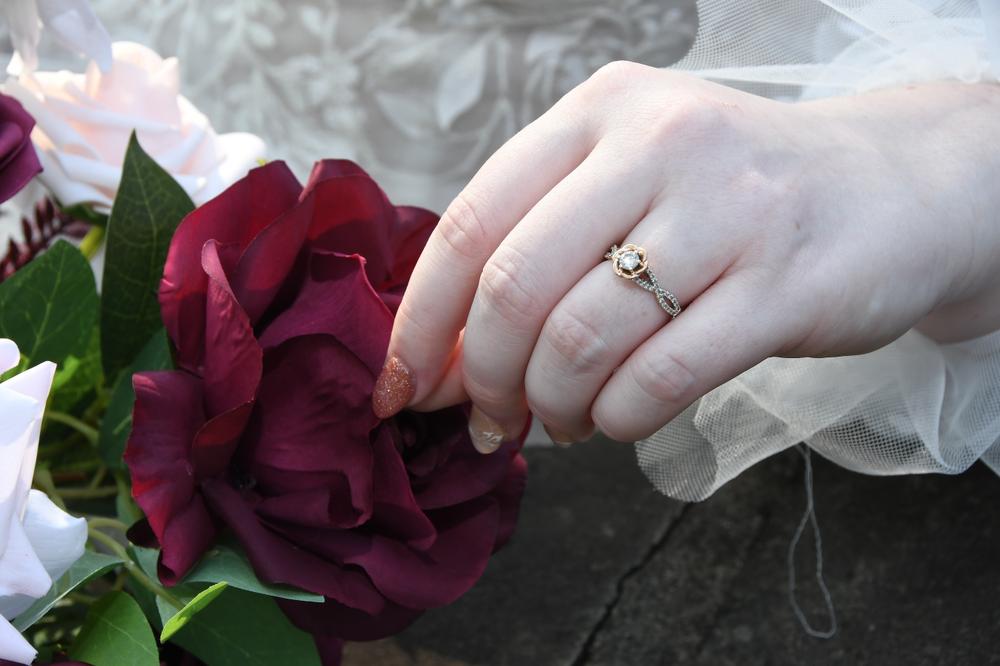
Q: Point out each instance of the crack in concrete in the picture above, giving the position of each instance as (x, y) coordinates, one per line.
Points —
(584, 654)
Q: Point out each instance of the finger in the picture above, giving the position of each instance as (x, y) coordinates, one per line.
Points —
(724, 332)
(604, 317)
(557, 243)
(440, 291)
(450, 390)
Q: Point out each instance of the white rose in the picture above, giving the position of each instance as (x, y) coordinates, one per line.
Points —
(84, 122)
(38, 541)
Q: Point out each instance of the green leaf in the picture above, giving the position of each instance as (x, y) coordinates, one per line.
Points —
(115, 633)
(49, 306)
(225, 564)
(85, 213)
(143, 595)
(90, 566)
(149, 206)
(192, 608)
(146, 559)
(126, 510)
(78, 376)
(117, 421)
(245, 629)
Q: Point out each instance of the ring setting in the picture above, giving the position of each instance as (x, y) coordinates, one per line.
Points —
(629, 261)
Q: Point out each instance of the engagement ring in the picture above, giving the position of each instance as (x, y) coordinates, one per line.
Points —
(629, 261)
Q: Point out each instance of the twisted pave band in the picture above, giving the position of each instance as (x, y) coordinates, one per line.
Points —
(629, 262)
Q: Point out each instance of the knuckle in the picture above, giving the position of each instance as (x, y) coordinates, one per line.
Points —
(580, 346)
(613, 78)
(694, 119)
(506, 287)
(665, 379)
(462, 227)
(619, 73)
(486, 392)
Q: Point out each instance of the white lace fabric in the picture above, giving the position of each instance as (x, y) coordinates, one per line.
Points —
(913, 406)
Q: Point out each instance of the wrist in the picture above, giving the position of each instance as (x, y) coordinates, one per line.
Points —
(937, 144)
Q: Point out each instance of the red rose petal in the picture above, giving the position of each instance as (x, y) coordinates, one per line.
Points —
(353, 216)
(216, 441)
(331, 617)
(235, 216)
(410, 577)
(508, 495)
(314, 415)
(440, 575)
(167, 414)
(18, 159)
(279, 561)
(328, 169)
(233, 359)
(336, 299)
(357, 217)
(412, 229)
(269, 258)
(397, 514)
(466, 474)
(319, 506)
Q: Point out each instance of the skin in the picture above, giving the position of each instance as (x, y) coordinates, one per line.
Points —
(810, 229)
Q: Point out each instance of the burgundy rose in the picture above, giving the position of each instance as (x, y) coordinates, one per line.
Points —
(18, 160)
(280, 302)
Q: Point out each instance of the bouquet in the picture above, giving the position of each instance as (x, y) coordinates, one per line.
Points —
(191, 470)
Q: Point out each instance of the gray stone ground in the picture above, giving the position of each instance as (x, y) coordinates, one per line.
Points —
(604, 570)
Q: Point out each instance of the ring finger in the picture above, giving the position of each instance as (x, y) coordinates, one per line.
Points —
(604, 317)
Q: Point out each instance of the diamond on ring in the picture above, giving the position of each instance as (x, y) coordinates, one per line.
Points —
(629, 262)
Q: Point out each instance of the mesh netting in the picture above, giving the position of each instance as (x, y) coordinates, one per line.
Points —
(913, 406)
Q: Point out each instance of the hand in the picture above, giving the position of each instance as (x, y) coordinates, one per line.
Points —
(825, 228)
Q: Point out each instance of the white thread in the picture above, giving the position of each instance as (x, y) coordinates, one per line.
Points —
(810, 516)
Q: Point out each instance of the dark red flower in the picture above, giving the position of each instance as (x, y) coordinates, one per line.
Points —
(280, 302)
(18, 160)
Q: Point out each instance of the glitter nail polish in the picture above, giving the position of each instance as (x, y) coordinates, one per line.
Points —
(394, 388)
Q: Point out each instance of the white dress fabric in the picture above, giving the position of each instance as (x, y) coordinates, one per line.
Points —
(421, 92)
(913, 406)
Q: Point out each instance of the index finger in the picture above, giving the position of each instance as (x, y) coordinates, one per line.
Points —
(437, 300)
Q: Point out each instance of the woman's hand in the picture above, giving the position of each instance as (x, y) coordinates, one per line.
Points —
(825, 228)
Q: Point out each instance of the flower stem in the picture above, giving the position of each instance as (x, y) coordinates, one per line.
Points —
(88, 493)
(89, 432)
(92, 242)
(133, 569)
(82, 598)
(102, 472)
(99, 522)
(43, 479)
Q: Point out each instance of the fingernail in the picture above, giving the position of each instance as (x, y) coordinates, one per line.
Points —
(558, 438)
(394, 388)
(487, 435)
